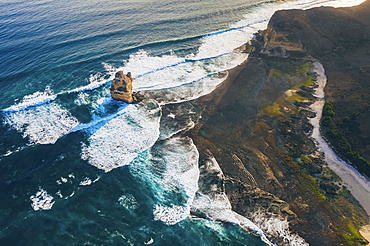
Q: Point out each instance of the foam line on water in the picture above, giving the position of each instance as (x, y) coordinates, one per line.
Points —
(195, 70)
(42, 98)
(23, 106)
(42, 125)
(181, 62)
(122, 138)
(235, 28)
(99, 122)
(94, 85)
(88, 87)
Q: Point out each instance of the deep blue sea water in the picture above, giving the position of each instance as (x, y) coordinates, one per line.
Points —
(77, 168)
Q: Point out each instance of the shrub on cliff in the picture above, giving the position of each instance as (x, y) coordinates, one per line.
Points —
(339, 142)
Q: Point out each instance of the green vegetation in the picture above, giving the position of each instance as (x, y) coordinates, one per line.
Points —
(344, 191)
(340, 143)
(353, 237)
(265, 104)
(305, 159)
(318, 188)
(272, 110)
(309, 81)
(295, 98)
(303, 68)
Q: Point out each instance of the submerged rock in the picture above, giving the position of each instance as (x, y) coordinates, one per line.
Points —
(121, 88)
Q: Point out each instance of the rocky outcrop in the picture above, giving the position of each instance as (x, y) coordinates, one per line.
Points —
(121, 88)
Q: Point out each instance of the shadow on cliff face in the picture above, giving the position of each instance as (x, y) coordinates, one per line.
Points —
(340, 39)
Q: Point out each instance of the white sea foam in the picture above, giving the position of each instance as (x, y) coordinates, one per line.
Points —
(336, 3)
(176, 163)
(275, 227)
(149, 242)
(222, 42)
(100, 118)
(176, 118)
(42, 125)
(86, 181)
(186, 92)
(36, 99)
(215, 206)
(42, 200)
(129, 202)
(213, 202)
(170, 167)
(82, 99)
(173, 74)
(119, 141)
(170, 214)
(170, 71)
(91, 86)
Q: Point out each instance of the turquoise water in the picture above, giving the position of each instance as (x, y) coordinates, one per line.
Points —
(76, 167)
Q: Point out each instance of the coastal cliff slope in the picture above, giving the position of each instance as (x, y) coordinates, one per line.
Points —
(340, 39)
(256, 125)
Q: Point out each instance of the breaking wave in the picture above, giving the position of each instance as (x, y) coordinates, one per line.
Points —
(119, 140)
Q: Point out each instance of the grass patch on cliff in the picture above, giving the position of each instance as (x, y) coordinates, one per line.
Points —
(271, 110)
(353, 237)
(308, 184)
(303, 68)
(309, 81)
(294, 97)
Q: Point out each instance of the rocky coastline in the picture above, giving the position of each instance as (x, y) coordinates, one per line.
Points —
(256, 125)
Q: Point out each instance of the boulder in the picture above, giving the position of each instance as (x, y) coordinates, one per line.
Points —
(121, 88)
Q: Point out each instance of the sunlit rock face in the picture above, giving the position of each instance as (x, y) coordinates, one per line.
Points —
(121, 88)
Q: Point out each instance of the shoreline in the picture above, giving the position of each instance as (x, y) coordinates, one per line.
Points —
(356, 183)
(365, 232)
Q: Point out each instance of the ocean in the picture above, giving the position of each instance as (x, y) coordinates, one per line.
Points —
(76, 167)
